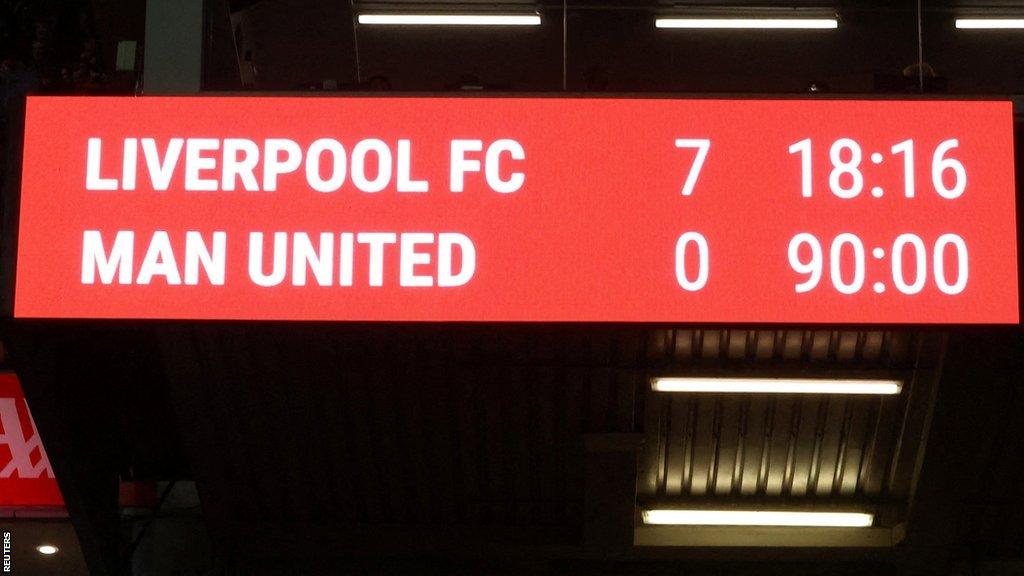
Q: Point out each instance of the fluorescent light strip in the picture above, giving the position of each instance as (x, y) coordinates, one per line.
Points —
(748, 23)
(776, 385)
(990, 23)
(756, 518)
(450, 19)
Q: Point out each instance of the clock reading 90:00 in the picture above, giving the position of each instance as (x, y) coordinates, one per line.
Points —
(912, 263)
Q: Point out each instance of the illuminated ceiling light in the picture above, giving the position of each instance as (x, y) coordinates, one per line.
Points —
(47, 549)
(748, 23)
(775, 385)
(450, 19)
(990, 23)
(757, 518)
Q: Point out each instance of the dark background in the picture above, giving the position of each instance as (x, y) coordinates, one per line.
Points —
(412, 449)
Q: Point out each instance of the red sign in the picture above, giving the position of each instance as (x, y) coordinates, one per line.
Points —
(518, 209)
(26, 478)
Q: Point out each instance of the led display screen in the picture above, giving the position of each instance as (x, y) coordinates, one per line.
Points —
(463, 209)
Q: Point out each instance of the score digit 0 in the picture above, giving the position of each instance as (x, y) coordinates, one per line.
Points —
(692, 241)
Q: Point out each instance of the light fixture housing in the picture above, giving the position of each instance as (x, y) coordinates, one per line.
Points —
(750, 23)
(47, 549)
(444, 19)
(989, 23)
(767, 385)
(681, 517)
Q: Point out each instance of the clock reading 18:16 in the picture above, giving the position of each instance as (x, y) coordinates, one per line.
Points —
(848, 171)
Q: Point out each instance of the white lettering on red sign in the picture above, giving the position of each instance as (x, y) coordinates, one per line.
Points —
(212, 164)
(28, 459)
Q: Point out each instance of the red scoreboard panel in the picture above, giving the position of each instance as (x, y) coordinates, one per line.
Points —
(518, 209)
